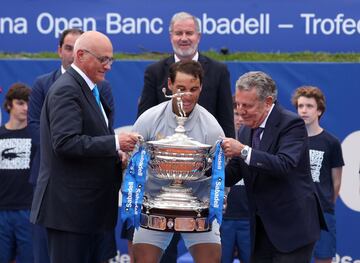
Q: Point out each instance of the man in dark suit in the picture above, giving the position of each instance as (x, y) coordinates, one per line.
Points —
(216, 95)
(76, 196)
(272, 156)
(39, 91)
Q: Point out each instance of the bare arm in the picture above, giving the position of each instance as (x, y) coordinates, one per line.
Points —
(336, 174)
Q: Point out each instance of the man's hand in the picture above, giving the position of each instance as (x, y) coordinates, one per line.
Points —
(231, 147)
(128, 140)
(124, 158)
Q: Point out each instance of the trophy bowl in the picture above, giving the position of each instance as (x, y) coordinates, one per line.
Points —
(178, 157)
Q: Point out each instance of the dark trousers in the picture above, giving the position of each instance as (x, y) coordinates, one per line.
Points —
(171, 253)
(265, 252)
(69, 247)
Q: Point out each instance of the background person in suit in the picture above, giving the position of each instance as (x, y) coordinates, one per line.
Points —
(272, 156)
(215, 97)
(76, 197)
(216, 94)
(326, 162)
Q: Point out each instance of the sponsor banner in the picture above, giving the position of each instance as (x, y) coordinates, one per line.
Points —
(250, 25)
(339, 81)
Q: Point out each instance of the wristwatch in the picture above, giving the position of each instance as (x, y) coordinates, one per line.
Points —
(244, 152)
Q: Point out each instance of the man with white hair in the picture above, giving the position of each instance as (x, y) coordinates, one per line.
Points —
(76, 196)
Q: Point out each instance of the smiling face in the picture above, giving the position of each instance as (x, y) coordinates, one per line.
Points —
(252, 110)
(189, 84)
(308, 110)
(184, 38)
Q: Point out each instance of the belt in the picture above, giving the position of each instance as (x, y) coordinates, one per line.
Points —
(170, 221)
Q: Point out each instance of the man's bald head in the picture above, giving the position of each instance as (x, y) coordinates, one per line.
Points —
(91, 39)
(93, 55)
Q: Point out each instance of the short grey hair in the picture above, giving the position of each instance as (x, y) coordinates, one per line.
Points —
(263, 83)
(183, 16)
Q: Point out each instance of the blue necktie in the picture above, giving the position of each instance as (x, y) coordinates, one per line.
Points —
(255, 144)
(96, 93)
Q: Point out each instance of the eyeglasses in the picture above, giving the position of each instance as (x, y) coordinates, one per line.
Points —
(103, 60)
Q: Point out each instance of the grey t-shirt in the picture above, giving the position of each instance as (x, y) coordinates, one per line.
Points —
(159, 122)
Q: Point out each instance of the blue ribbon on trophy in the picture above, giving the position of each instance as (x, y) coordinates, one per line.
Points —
(133, 187)
(217, 185)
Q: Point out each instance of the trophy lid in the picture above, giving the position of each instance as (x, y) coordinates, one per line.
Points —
(179, 140)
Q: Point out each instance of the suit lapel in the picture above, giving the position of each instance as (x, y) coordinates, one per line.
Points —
(88, 96)
(270, 130)
(204, 62)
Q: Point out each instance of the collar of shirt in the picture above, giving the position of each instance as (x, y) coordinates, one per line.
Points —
(63, 70)
(195, 58)
(83, 75)
(263, 124)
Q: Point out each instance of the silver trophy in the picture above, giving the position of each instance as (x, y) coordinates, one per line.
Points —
(178, 158)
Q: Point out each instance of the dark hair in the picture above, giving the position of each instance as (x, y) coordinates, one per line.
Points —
(191, 67)
(310, 92)
(75, 31)
(18, 91)
(234, 102)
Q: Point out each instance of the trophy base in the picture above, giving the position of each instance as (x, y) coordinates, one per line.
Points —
(175, 209)
(175, 221)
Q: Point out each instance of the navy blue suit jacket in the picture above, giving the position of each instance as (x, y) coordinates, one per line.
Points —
(80, 172)
(39, 90)
(215, 96)
(278, 182)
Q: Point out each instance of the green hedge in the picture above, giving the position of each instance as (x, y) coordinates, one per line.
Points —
(238, 56)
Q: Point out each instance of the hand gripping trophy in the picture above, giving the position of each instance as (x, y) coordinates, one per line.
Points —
(178, 159)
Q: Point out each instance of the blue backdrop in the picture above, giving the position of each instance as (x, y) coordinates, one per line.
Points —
(137, 26)
(339, 81)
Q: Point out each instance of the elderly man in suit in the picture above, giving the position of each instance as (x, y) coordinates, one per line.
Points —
(272, 156)
(38, 94)
(216, 94)
(76, 196)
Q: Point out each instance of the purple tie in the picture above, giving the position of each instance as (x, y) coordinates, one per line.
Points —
(256, 137)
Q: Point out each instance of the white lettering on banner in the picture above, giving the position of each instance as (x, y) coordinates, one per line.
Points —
(11, 26)
(129, 195)
(115, 24)
(344, 259)
(47, 24)
(329, 26)
(219, 162)
(350, 181)
(137, 195)
(141, 163)
(237, 26)
(216, 194)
